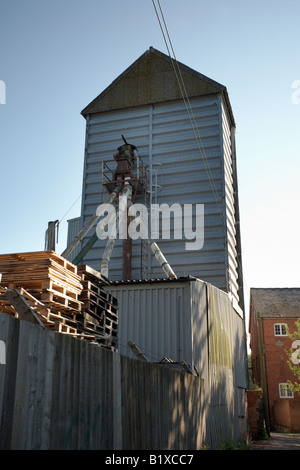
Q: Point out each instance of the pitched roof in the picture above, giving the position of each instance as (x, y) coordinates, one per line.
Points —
(151, 79)
(276, 302)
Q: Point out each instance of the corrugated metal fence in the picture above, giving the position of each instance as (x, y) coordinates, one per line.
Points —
(57, 392)
(192, 321)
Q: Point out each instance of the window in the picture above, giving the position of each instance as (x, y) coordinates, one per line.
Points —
(280, 329)
(285, 391)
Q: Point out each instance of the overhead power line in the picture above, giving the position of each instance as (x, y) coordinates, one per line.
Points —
(70, 208)
(187, 103)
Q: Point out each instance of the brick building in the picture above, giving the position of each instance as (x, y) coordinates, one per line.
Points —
(273, 313)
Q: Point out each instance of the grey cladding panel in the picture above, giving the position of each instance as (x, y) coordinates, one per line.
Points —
(182, 173)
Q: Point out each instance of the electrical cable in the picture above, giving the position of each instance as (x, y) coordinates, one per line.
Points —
(70, 208)
(188, 107)
(58, 222)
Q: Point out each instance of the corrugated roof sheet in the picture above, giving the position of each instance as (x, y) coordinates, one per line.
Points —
(276, 302)
(151, 281)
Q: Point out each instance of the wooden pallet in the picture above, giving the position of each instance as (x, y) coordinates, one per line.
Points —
(99, 308)
(88, 273)
(38, 257)
(58, 322)
(46, 275)
(67, 299)
(59, 301)
(32, 269)
(91, 287)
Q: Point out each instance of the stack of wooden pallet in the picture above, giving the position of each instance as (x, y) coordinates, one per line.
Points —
(67, 298)
(99, 308)
(46, 275)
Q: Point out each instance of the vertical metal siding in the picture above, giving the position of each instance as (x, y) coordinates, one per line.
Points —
(195, 322)
(170, 319)
(74, 227)
(230, 206)
(227, 365)
(164, 137)
(103, 137)
(200, 331)
(157, 318)
(183, 179)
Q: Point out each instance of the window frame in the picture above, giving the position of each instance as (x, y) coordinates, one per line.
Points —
(280, 325)
(285, 391)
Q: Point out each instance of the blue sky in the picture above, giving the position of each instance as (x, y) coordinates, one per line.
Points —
(58, 55)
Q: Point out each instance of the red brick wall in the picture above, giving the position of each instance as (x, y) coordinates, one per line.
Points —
(295, 415)
(256, 419)
(282, 421)
(277, 369)
(287, 416)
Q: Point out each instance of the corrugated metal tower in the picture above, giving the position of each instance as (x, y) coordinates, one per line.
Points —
(145, 105)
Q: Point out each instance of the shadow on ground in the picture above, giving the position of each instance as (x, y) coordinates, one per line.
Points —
(279, 441)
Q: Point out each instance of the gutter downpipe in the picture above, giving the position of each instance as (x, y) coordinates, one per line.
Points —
(263, 373)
